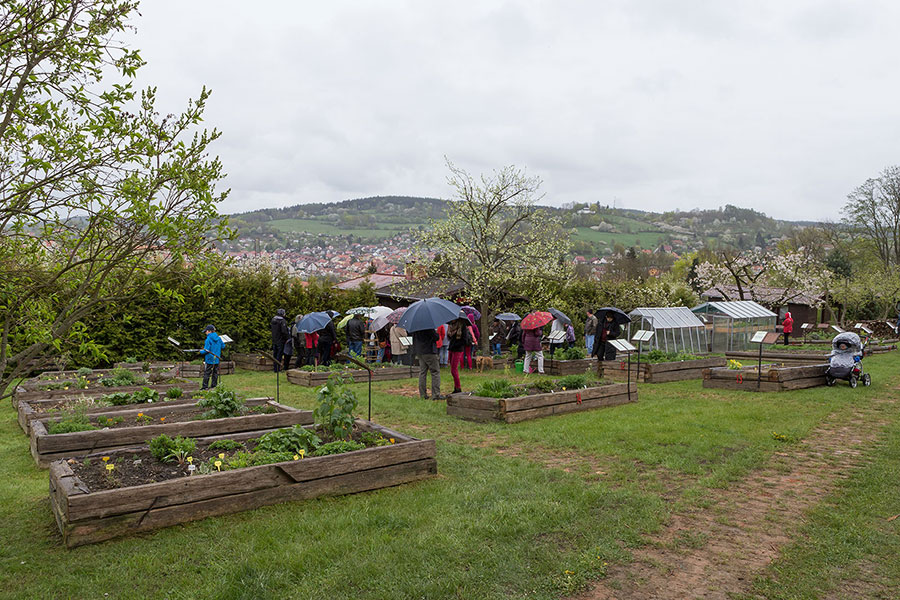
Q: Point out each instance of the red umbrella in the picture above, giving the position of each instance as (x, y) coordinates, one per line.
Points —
(536, 319)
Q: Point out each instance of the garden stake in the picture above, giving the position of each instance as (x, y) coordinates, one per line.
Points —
(277, 371)
(759, 369)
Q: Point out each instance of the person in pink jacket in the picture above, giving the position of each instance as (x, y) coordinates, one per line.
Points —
(788, 325)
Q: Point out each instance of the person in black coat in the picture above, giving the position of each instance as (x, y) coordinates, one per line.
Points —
(327, 337)
(607, 330)
(280, 334)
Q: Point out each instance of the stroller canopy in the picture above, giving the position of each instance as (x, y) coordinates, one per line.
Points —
(854, 344)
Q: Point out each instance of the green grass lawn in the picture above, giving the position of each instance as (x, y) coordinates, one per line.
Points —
(531, 510)
(320, 227)
(643, 239)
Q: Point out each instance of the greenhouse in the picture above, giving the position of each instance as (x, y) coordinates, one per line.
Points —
(730, 325)
(675, 329)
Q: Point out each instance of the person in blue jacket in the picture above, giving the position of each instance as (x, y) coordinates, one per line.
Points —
(212, 351)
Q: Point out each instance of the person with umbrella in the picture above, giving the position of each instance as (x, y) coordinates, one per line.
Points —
(356, 331)
(425, 347)
(280, 335)
(514, 337)
(422, 318)
(608, 329)
(476, 335)
(532, 331)
(459, 338)
(398, 350)
(590, 329)
(327, 338)
(299, 338)
(498, 332)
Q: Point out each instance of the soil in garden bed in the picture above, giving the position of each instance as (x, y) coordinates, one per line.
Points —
(173, 416)
(139, 467)
(68, 405)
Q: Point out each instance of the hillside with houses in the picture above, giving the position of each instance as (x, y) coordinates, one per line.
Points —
(345, 239)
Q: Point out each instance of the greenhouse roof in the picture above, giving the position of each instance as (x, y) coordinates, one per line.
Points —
(737, 309)
(677, 317)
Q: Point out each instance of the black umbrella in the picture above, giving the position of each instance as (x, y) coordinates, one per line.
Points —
(314, 322)
(560, 315)
(428, 314)
(618, 316)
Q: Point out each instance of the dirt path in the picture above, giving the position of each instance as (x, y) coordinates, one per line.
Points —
(716, 552)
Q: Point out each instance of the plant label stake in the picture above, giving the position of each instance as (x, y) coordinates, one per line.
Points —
(641, 336)
(627, 348)
(762, 337)
(277, 370)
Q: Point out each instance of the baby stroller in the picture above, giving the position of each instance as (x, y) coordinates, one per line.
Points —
(845, 360)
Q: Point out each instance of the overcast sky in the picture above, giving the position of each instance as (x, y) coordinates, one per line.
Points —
(782, 106)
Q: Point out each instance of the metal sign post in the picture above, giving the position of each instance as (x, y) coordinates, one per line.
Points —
(277, 364)
(762, 337)
(641, 336)
(627, 348)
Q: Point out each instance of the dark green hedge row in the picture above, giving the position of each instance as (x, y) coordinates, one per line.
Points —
(239, 303)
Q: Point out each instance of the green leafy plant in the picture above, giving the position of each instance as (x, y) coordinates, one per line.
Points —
(289, 439)
(514, 350)
(544, 385)
(174, 393)
(105, 421)
(225, 445)
(117, 398)
(71, 424)
(220, 403)
(496, 388)
(122, 377)
(84, 372)
(165, 449)
(370, 438)
(572, 382)
(571, 353)
(144, 395)
(657, 356)
(82, 383)
(335, 410)
(338, 447)
(143, 419)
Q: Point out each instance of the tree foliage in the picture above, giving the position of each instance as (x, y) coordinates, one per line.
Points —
(98, 191)
(873, 213)
(496, 240)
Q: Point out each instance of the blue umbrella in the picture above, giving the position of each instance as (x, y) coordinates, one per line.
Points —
(333, 313)
(314, 322)
(508, 317)
(428, 314)
(471, 310)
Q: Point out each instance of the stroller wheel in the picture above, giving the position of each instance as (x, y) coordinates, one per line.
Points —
(853, 381)
(867, 380)
(829, 380)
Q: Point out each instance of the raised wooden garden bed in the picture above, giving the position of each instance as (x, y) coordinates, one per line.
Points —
(317, 378)
(783, 358)
(774, 378)
(85, 517)
(153, 365)
(226, 367)
(578, 366)
(252, 362)
(46, 447)
(29, 410)
(681, 370)
(523, 408)
(96, 391)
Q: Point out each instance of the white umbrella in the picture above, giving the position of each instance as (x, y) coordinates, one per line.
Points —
(372, 312)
